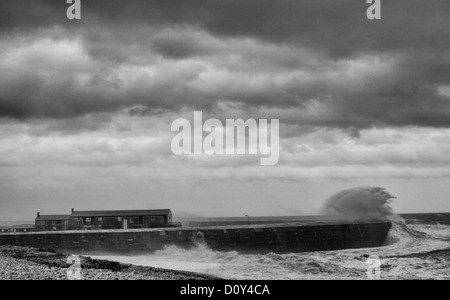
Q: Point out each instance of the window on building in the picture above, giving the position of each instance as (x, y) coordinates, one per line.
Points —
(100, 219)
(119, 219)
(88, 220)
(53, 223)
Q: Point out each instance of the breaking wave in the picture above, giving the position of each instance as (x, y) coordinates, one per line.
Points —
(363, 203)
(408, 248)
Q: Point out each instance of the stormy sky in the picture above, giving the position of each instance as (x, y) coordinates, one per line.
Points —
(86, 106)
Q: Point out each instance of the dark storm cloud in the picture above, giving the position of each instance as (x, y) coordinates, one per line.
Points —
(283, 55)
(336, 26)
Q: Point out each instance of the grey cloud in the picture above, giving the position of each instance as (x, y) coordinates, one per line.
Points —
(280, 55)
(335, 26)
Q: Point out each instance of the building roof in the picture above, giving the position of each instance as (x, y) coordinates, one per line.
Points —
(121, 213)
(52, 217)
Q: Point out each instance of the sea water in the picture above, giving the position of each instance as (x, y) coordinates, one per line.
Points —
(419, 251)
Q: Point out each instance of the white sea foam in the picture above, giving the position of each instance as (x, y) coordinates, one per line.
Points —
(409, 248)
(404, 256)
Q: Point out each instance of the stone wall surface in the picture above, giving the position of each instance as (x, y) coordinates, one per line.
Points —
(280, 238)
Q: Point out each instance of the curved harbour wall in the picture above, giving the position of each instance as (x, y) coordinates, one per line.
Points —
(279, 238)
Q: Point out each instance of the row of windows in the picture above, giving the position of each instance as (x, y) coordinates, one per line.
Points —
(52, 223)
(131, 220)
(119, 219)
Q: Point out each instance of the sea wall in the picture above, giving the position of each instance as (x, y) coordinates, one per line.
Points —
(279, 238)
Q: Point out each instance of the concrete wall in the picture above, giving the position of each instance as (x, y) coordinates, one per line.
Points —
(246, 239)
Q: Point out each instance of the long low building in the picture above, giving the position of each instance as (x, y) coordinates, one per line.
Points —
(106, 219)
(121, 219)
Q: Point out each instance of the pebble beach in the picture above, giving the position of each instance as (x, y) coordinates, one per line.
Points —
(20, 263)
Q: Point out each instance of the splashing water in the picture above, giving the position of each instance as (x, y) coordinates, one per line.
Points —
(364, 203)
(422, 252)
(408, 254)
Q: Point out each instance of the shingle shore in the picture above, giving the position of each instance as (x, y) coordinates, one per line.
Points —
(19, 263)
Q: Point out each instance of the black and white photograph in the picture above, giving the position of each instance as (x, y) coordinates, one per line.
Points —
(204, 142)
